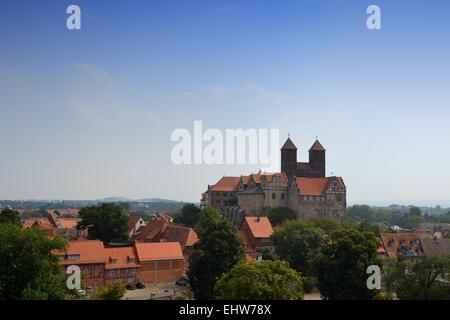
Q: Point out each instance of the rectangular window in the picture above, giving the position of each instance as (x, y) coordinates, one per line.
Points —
(274, 196)
(282, 196)
(111, 272)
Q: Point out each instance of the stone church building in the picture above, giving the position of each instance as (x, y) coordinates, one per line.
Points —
(300, 186)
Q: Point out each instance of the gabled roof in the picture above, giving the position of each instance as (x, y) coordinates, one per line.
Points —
(230, 184)
(89, 252)
(123, 257)
(316, 186)
(39, 222)
(68, 223)
(289, 145)
(184, 235)
(132, 221)
(158, 251)
(317, 146)
(226, 184)
(260, 227)
(312, 186)
(392, 241)
(63, 212)
(152, 230)
(436, 247)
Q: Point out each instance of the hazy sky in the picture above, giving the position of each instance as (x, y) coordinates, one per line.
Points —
(89, 113)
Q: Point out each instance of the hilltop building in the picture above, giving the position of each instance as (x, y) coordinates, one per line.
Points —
(300, 186)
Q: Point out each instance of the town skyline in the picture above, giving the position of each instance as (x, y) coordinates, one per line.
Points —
(102, 102)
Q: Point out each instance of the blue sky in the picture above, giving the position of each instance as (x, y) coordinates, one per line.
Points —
(89, 113)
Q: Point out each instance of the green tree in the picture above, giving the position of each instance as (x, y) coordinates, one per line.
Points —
(279, 214)
(341, 264)
(326, 225)
(218, 250)
(269, 280)
(189, 215)
(367, 226)
(425, 279)
(106, 222)
(8, 215)
(28, 269)
(415, 211)
(115, 291)
(298, 242)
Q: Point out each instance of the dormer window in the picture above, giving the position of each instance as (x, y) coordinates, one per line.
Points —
(113, 261)
(131, 259)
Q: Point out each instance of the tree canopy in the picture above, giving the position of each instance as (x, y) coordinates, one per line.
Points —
(342, 263)
(425, 279)
(106, 222)
(8, 215)
(218, 250)
(28, 269)
(189, 215)
(298, 242)
(279, 214)
(115, 291)
(269, 280)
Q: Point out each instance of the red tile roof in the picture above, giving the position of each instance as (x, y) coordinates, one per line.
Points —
(260, 227)
(122, 256)
(40, 222)
(89, 252)
(158, 251)
(152, 230)
(226, 184)
(186, 236)
(68, 223)
(312, 186)
(392, 241)
(63, 212)
(230, 184)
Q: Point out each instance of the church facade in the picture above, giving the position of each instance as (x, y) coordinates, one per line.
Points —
(300, 186)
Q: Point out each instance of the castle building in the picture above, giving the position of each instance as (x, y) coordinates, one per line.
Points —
(300, 186)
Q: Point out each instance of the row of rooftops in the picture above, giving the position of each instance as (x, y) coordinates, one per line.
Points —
(94, 252)
(307, 186)
(412, 244)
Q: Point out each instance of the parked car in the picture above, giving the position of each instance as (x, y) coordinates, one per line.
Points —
(130, 287)
(140, 285)
(182, 282)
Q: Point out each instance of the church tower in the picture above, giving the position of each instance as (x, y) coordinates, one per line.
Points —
(289, 158)
(317, 159)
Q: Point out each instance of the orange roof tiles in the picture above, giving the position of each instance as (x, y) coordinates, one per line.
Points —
(175, 233)
(226, 184)
(312, 186)
(37, 222)
(392, 241)
(68, 223)
(89, 252)
(230, 184)
(260, 227)
(158, 251)
(121, 257)
(152, 230)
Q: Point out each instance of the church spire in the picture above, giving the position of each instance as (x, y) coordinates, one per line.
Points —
(289, 145)
(317, 146)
